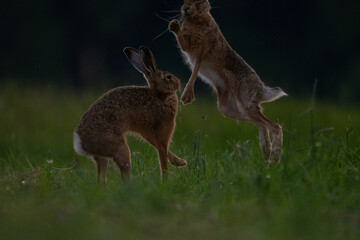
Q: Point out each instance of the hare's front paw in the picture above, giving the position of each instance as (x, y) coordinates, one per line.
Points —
(174, 26)
(175, 160)
(187, 97)
(179, 162)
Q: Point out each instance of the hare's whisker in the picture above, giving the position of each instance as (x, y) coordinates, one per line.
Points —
(164, 19)
(174, 16)
(160, 34)
(171, 11)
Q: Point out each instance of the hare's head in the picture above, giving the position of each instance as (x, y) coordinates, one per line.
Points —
(143, 60)
(191, 8)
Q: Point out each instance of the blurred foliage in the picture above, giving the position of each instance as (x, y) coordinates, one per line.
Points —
(225, 192)
(79, 43)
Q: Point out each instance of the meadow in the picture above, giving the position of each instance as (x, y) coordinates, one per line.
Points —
(226, 191)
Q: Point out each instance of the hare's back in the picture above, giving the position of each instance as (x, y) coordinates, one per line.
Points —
(117, 110)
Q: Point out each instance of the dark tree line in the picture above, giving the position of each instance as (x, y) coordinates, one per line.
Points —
(79, 43)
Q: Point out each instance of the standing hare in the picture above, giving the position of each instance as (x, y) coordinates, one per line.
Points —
(147, 110)
(239, 89)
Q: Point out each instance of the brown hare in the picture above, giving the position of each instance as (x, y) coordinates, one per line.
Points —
(147, 110)
(239, 89)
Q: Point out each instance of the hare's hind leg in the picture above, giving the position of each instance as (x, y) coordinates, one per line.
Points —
(264, 140)
(229, 107)
(260, 120)
(101, 165)
(122, 159)
(232, 107)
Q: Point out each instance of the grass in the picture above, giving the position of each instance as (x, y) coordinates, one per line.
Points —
(225, 192)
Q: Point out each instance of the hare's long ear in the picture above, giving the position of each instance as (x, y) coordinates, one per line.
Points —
(203, 6)
(134, 57)
(148, 59)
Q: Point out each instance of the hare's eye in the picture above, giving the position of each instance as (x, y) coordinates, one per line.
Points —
(168, 77)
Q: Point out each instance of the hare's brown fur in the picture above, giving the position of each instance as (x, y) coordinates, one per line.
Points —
(149, 111)
(239, 89)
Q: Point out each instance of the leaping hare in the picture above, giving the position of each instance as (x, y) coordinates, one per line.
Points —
(147, 110)
(239, 89)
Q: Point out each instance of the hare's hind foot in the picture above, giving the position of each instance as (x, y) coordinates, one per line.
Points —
(275, 156)
(264, 141)
(175, 160)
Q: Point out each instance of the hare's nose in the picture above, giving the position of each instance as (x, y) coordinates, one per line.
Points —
(185, 11)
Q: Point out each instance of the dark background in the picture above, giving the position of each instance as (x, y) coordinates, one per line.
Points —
(79, 43)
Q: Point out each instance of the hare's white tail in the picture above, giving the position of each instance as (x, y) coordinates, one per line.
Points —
(78, 146)
(271, 94)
